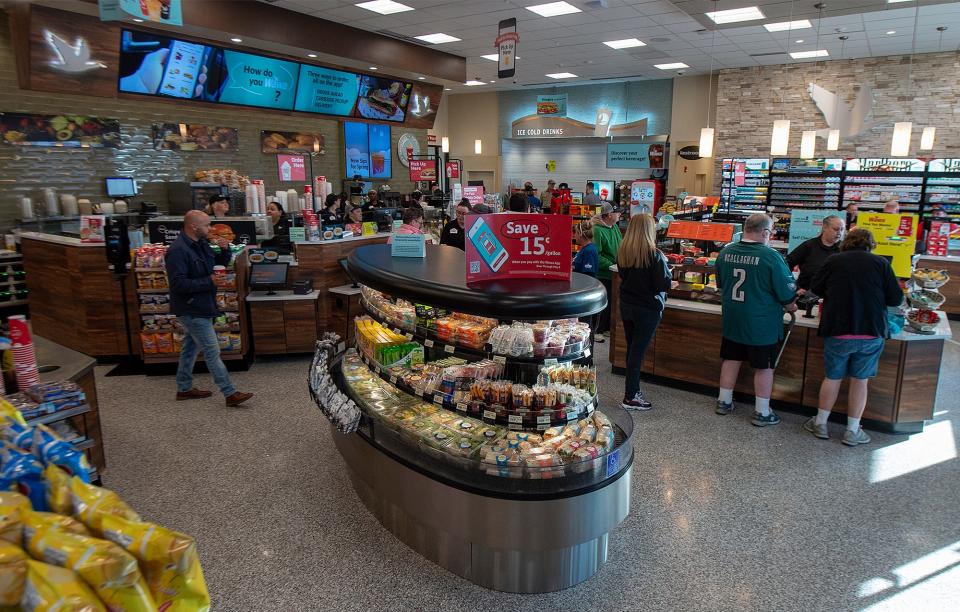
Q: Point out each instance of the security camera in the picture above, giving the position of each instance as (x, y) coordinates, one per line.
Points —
(681, 72)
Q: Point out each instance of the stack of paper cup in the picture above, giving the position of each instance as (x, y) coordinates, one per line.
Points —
(24, 357)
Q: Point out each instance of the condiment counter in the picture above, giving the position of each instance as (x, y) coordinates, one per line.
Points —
(686, 351)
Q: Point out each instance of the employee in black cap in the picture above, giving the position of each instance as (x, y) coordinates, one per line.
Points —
(219, 206)
(453, 231)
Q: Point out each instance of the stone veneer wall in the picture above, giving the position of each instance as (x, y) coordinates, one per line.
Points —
(750, 99)
(26, 170)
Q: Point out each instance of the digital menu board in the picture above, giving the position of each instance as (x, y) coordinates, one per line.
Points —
(256, 80)
(326, 91)
(366, 150)
(384, 99)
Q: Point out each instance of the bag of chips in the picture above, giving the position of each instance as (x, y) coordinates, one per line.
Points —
(7, 411)
(169, 562)
(37, 521)
(21, 467)
(58, 490)
(13, 509)
(52, 449)
(18, 434)
(50, 588)
(92, 503)
(106, 568)
(13, 573)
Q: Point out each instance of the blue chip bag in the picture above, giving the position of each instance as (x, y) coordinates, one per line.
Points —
(21, 467)
(18, 434)
(51, 448)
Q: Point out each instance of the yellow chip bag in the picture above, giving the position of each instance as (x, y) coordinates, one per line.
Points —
(91, 503)
(50, 588)
(36, 521)
(13, 573)
(7, 411)
(169, 561)
(13, 507)
(108, 569)
(58, 490)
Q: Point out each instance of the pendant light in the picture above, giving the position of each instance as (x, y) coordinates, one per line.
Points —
(706, 133)
(478, 147)
(808, 144)
(903, 130)
(833, 140)
(930, 132)
(445, 144)
(780, 138)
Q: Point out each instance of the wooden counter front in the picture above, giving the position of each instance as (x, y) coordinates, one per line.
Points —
(74, 297)
(686, 350)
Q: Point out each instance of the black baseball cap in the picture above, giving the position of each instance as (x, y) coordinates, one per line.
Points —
(217, 197)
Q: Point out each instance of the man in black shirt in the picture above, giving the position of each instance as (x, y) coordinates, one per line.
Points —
(453, 231)
(811, 254)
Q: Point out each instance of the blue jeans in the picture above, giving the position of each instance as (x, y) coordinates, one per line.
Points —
(201, 337)
(639, 325)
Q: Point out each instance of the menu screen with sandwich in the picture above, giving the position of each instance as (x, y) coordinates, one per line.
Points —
(367, 149)
(382, 98)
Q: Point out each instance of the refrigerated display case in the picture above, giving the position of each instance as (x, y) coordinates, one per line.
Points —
(479, 440)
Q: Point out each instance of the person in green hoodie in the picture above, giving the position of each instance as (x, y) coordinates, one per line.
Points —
(607, 237)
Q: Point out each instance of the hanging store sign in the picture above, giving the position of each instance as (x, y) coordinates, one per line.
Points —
(552, 105)
(423, 170)
(518, 245)
(506, 44)
(636, 155)
(553, 126)
(167, 12)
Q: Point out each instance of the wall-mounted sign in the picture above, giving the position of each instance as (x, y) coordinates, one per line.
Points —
(193, 137)
(943, 238)
(167, 12)
(453, 170)
(944, 165)
(555, 105)
(896, 237)
(276, 142)
(72, 58)
(73, 131)
(423, 170)
(552, 126)
(292, 168)
(506, 44)
(516, 245)
(691, 152)
(407, 147)
(423, 106)
(636, 155)
(886, 164)
(474, 194)
(366, 148)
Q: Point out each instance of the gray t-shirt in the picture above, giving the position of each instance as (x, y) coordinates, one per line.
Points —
(592, 199)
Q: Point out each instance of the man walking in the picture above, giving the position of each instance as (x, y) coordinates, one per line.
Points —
(193, 298)
(757, 288)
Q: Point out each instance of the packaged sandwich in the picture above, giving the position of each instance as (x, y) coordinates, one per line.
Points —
(109, 570)
(13, 574)
(91, 504)
(50, 588)
(13, 509)
(169, 562)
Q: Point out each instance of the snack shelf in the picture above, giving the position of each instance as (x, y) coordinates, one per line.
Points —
(153, 290)
(175, 357)
(14, 303)
(532, 420)
(60, 415)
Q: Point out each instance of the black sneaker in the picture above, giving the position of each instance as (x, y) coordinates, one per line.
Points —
(637, 403)
(763, 421)
(724, 407)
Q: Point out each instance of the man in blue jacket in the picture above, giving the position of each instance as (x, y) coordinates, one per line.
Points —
(193, 298)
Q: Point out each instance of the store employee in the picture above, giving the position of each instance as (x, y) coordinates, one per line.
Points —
(453, 231)
(811, 254)
(219, 206)
(331, 211)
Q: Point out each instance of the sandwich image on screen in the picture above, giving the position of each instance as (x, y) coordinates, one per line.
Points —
(487, 244)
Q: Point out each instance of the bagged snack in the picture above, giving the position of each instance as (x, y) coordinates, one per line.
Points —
(165, 342)
(91, 504)
(9, 412)
(21, 467)
(58, 490)
(109, 570)
(37, 521)
(149, 343)
(13, 573)
(53, 450)
(13, 509)
(18, 434)
(50, 588)
(169, 562)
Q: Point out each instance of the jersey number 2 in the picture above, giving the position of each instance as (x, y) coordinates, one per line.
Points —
(741, 276)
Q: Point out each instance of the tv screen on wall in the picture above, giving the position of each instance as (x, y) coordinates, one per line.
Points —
(367, 150)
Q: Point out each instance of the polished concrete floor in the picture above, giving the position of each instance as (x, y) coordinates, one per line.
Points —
(725, 516)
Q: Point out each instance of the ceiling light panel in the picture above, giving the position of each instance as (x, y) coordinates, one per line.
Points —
(384, 7)
(748, 13)
(561, 75)
(673, 66)
(809, 54)
(626, 43)
(553, 9)
(438, 38)
(783, 26)
(474, 83)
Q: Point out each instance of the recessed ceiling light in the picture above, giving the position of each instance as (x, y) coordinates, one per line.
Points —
(799, 41)
(626, 43)
(783, 26)
(809, 54)
(474, 83)
(561, 75)
(438, 38)
(236, 40)
(897, 1)
(552, 9)
(493, 81)
(673, 66)
(493, 57)
(372, 68)
(311, 55)
(137, 20)
(891, 32)
(384, 7)
(747, 13)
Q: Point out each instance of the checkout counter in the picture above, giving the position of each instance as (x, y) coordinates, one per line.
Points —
(685, 351)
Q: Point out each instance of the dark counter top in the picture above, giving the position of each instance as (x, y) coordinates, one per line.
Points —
(72, 365)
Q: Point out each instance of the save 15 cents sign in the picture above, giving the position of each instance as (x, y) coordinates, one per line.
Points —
(518, 246)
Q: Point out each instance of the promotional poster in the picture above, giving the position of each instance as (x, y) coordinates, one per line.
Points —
(896, 236)
(518, 246)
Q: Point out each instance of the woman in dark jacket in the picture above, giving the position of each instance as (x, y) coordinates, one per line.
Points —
(331, 210)
(281, 227)
(644, 280)
(857, 287)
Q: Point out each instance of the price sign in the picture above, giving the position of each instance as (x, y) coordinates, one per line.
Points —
(438, 398)
(515, 418)
(489, 414)
(518, 246)
(428, 343)
(448, 348)
(500, 359)
(462, 407)
(699, 230)
(543, 419)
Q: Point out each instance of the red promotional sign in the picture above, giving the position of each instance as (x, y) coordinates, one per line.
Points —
(740, 174)
(518, 245)
(423, 170)
(474, 194)
(291, 168)
(453, 170)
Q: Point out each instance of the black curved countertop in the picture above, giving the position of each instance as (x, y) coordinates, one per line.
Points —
(439, 279)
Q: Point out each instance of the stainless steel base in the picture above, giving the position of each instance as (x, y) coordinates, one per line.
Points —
(501, 544)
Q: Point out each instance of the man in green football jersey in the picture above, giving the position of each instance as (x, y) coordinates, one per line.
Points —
(757, 288)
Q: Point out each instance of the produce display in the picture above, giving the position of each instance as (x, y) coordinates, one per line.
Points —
(161, 335)
(493, 449)
(923, 320)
